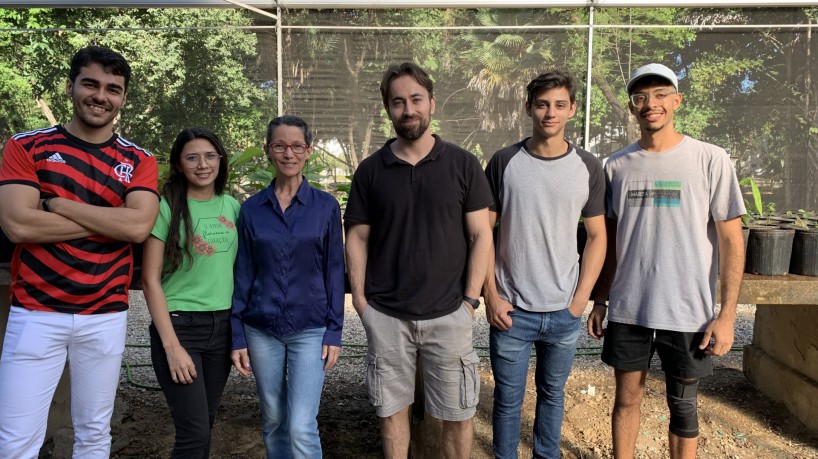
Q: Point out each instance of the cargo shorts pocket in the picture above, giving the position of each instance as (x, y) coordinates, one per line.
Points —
(373, 380)
(469, 380)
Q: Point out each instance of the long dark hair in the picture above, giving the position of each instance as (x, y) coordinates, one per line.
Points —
(175, 191)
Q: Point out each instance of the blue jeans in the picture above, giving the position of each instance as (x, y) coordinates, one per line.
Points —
(289, 378)
(554, 336)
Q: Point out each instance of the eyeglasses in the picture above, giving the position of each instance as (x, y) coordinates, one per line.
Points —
(641, 98)
(192, 160)
(297, 148)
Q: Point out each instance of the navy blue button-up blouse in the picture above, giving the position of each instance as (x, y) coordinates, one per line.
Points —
(289, 271)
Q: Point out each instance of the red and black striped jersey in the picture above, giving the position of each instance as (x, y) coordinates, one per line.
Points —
(82, 276)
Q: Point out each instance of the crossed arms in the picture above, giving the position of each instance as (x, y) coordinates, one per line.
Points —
(24, 221)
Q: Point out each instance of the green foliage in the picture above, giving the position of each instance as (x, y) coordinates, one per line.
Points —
(757, 205)
(801, 223)
(189, 77)
(314, 170)
(250, 171)
(804, 219)
(744, 90)
(19, 112)
(27, 66)
(183, 76)
(704, 108)
(342, 191)
(497, 67)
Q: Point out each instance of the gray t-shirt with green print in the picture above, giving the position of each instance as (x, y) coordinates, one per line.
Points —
(666, 205)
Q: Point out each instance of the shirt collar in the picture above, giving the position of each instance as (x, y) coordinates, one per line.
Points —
(523, 145)
(389, 158)
(303, 195)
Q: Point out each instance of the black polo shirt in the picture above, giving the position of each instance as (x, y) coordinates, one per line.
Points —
(418, 248)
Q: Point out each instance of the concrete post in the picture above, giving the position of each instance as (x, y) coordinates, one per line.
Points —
(784, 354)
(782, 360)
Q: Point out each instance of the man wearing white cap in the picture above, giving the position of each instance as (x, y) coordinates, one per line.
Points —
(674, 204)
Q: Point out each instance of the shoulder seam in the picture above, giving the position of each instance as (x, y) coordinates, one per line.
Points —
(127, 143)
(23, 135)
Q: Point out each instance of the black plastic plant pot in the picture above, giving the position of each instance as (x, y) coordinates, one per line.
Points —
(804, 259)
(745, 232)
(769, 251)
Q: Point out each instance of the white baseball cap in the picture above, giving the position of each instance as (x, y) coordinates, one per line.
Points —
(652, 69)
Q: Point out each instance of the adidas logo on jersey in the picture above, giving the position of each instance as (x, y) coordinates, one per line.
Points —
(55, 158)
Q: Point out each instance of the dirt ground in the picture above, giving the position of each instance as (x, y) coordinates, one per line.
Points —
(736, 420)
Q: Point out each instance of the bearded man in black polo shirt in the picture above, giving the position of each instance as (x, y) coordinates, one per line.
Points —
(418, 244)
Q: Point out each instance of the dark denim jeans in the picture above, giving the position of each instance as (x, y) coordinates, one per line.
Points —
(554, 336)
(206, 337)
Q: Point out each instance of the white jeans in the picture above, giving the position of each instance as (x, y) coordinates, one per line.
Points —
(34, 355)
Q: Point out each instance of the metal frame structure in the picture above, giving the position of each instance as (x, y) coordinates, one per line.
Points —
(354, 4)
(265, 8)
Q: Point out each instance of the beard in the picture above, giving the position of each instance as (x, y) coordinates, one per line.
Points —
(651, 127)
(89, 119)
(411, 132)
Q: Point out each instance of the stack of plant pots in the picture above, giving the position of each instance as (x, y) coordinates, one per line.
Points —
(776, 246)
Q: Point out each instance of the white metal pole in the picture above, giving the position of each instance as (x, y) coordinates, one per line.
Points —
(279, 65)
(586, 138)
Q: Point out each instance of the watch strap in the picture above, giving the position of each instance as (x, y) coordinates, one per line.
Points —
(474, 302)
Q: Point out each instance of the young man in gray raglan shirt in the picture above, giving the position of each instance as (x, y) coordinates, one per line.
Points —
(675, 205)
(535, 290)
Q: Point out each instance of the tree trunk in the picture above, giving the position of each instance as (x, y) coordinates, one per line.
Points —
(46, 111)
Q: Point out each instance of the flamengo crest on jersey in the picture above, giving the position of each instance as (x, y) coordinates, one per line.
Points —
(124, 172)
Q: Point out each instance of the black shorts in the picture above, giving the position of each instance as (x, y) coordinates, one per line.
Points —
(631, 347)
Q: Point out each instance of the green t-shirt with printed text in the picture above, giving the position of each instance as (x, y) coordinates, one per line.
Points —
(208, 283)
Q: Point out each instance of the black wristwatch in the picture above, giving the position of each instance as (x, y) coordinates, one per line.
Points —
(47, 207)
(475, 303)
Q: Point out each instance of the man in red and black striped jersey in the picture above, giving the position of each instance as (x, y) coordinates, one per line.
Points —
(74, 197)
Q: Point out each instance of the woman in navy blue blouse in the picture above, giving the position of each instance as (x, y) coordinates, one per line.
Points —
(288, 299)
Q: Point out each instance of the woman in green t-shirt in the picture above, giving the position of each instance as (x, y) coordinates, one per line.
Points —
(187, 278)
